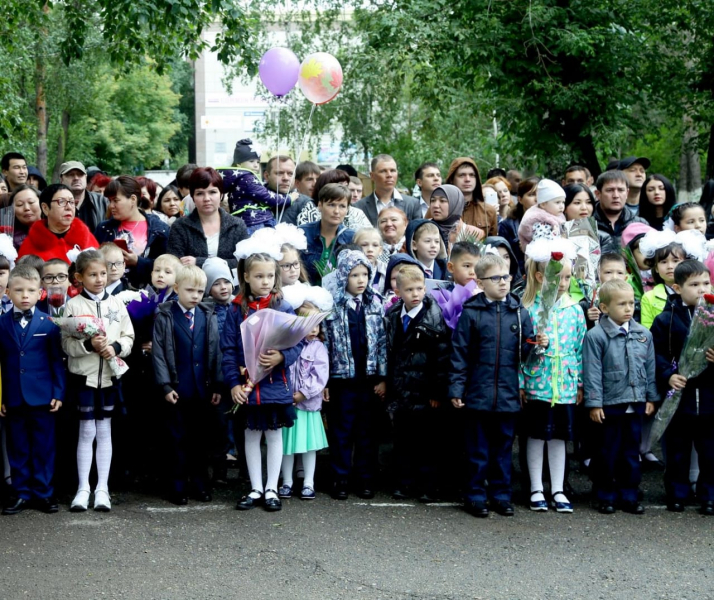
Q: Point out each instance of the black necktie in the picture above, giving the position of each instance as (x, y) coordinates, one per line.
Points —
(20, 315)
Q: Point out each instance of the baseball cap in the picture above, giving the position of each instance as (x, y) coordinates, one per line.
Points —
(72, 164)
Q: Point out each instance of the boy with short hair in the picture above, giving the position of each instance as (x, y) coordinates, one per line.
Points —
(490, 342)
(116, 267)
(693, 422)
(163, 275)
(462, 262)
(612, 266)
(417, 370)
(33, 377)
(620, 388)
(55, 280)
(423, 242)
(186, 357)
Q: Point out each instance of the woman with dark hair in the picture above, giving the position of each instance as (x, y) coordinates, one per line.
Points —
(145, 235)
(657, 197)
(25, 201)
(355, 219)
(169, 205)
(508, 228)
(579, 202)
(209, 230)
(59, 231)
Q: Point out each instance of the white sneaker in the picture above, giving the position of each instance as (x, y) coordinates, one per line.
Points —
(102, 503)
(80, 502)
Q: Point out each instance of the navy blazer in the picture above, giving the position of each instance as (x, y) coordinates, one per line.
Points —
(32, 367)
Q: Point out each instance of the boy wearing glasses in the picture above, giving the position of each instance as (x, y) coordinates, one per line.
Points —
(116, 267)
(55, 281)
(490, 342)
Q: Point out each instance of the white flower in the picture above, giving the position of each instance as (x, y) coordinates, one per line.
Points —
(540, 250)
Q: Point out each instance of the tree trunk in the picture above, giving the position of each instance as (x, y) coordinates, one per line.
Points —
(690, 170)
(61, 145)
(41, 114)
(588, 155)
(710, 155)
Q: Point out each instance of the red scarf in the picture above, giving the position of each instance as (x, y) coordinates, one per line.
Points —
(256, 304)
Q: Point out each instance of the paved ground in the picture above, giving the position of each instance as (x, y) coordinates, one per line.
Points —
(146, 548)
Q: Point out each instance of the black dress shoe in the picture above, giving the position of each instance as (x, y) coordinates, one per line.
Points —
(202, 496)
(708, 508)
(428, 497)
(476, 509)
(247, 502)
(366, 493)
(399, 495)
(273, 504)
(606, 508)
(633, 508)
(675, 506)
(18, 505)
(503, 508)
(178, 498)
(47, 505)
(339, 491)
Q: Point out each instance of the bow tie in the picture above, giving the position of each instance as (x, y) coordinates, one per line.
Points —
(25, 314)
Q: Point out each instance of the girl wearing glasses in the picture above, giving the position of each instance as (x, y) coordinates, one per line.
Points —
(58, 231)
(553, 383)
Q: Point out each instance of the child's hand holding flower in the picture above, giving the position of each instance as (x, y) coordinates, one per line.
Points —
(710, 355)
(542, 340)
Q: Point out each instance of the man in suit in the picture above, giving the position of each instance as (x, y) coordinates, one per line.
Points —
(384, 174)
(33, 378)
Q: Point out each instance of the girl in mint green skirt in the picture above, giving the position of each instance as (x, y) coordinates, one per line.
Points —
(308, 375)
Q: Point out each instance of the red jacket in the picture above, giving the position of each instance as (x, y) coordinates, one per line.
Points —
(45, 244)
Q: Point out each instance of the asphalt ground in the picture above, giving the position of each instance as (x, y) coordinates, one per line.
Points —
(146, 548)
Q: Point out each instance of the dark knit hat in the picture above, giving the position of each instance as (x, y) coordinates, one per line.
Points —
(244, 151)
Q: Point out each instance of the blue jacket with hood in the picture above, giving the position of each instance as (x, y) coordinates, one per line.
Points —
(337, 330)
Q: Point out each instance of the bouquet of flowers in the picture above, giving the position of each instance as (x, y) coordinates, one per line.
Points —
(85, 327)
(144, 303)
(270, 329)
(583, 233)
(452, 301)
(634, 269)
(692, 361)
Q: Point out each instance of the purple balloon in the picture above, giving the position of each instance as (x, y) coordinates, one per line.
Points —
(279, 69)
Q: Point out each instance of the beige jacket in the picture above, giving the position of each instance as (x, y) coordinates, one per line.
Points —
(119, 329)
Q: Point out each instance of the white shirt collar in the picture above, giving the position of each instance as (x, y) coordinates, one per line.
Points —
(625, 325)
(17, 310)
(424, 206)
(352, 300)
(413, 312)
(428, 267)
(95, 297)
(112, 286)
(184, 310)
(395, 196)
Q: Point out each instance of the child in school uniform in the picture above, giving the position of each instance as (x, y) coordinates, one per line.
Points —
(186, 358)
(356, 344)
(490, 342)
(620, 388)
(34, 378)
(418, 347)
(693, 422)
(424, 243)
(91, 386)
(116, 268)
(269, 402)
(55, 280)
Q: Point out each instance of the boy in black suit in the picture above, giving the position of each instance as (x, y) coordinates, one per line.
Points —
(33, 378)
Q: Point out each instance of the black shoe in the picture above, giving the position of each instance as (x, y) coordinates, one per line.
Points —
(503, 508)
(47, 505)
(633, 508)
(202, 496)
(178, 498)
(18, 505)
(272, 504)
(606, 508)
(675, 506)
(247, 502)
(339, 491)
(476, 509)
(366, 493)
(707, 508)
(427, 498)
(399, 495)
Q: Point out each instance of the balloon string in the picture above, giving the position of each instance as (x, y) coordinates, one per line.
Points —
(279, 213)
(300, 151)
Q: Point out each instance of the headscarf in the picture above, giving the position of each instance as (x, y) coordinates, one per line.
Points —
(456, 210)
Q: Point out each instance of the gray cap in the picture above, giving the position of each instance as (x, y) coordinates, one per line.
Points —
(72, 164)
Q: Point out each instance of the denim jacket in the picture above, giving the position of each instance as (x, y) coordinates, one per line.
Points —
(311, 256)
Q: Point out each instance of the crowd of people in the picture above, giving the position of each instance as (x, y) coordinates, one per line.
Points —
(450, 321)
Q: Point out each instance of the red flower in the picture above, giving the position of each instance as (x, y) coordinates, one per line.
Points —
(556, 256)
(709, 298)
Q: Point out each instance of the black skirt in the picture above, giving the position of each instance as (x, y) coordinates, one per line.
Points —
(94, 404)
(546, 422)
(263, 417)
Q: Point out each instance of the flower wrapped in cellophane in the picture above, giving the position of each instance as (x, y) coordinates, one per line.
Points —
(583, 233)
(553, 251)
(85, 327)
(270, 329)
(692, 361)
(451, 302)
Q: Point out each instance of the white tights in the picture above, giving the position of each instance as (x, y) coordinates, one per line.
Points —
(274, 441)
(309, 459)
(88, 431)
(556, 462)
